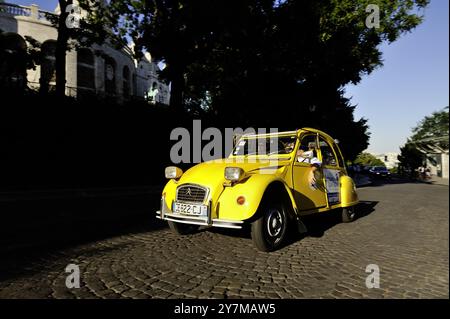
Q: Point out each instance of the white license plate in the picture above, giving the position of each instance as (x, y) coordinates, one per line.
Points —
(190, 209)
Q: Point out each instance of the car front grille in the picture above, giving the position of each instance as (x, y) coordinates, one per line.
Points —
(191, 193)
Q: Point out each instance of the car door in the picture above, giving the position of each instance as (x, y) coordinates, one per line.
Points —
(308, 196)
(332, 169)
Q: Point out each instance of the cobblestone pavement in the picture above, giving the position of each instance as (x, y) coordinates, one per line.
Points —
(403, 228)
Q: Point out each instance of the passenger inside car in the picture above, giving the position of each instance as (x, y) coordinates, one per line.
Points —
(306, 154)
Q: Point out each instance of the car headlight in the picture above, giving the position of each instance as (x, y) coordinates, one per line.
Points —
(233, 174)
(173, 172)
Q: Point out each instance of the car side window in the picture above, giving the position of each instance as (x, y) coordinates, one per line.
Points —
(339, 156)
(309, 142)
(328, 156)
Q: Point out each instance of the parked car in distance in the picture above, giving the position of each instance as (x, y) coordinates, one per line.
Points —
(380, 172)
(269, 181)
(366, 169)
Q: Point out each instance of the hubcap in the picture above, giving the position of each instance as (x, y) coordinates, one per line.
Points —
(274, 223)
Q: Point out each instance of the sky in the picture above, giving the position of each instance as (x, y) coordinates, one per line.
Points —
(412, 83)
(48, 5)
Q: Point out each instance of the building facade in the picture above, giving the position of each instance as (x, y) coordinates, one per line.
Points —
(389, 159)
(437, 163)
(100, 70)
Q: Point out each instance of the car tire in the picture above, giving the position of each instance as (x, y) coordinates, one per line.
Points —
(269, 230)
(182, 229)
(348, 214)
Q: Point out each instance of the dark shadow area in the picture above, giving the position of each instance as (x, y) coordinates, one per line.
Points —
(381, 181)
(20, 264)
(39, 229)
(318, 224)
(52, 143)
(241, 233)
(51, 224)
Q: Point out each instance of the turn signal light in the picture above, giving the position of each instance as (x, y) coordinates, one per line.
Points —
(240, 200)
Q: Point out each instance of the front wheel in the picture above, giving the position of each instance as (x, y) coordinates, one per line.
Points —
(269, 230)
(182, 229)
(348, 214)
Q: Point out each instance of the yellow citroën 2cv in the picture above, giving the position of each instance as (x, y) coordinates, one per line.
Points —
(269, 181)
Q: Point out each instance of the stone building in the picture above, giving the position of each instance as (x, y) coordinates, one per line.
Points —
(435, 152)
(389, 159)
(438, 163)
(100, 70)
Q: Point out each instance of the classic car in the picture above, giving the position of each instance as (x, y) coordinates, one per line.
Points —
(269, 181)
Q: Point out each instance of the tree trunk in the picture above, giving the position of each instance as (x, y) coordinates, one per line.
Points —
(176, 91)
(61, 48)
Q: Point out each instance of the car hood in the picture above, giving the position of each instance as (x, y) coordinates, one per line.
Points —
(211, 173)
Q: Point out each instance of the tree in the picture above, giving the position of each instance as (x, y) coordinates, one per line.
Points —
(429, 136)
(265, 62)
(367, 159)
(61, 48)
(432, 131)
(82, 27)
(410, 159)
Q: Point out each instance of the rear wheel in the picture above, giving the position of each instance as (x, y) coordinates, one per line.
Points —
(269, 230)
(182, 229)
(348, 214)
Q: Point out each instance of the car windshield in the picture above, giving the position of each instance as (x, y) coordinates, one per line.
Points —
(380, 169)
(267, 145)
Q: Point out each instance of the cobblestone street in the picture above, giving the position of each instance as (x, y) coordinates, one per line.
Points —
(402, 228)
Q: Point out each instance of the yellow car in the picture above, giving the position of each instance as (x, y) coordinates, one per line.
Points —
(268, 181)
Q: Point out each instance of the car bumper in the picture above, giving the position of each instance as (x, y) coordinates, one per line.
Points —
(381, 175)
(199, 220)
(166, 214)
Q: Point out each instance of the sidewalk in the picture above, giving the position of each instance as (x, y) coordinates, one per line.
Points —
(436, 180)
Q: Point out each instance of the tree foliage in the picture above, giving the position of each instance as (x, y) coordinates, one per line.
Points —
(266, 62)
(410, 159)
(429, 136)
(433, 129)
(367, 159)
(91, 29)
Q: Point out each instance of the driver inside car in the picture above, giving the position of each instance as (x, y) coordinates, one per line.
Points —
(305, 154)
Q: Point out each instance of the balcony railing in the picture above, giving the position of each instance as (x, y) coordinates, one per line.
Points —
(15, 9)
(32, 11)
